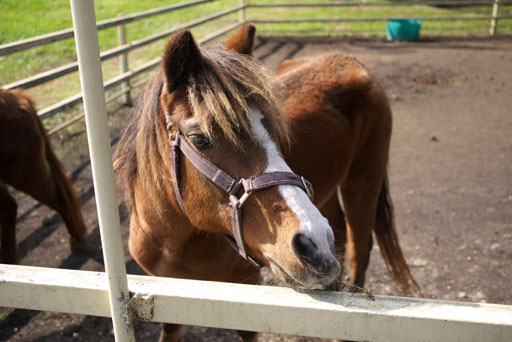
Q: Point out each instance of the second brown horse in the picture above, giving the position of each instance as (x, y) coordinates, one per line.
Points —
(28, 163)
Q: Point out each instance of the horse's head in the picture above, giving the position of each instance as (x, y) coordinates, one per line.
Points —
(225, 125)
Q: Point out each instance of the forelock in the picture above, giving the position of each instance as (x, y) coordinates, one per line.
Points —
(223, 88)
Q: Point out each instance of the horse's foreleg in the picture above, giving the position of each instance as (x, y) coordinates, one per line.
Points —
(171, 332)
(248, 336)
(362, 185)
(333, 212)
(360, 206)
(8, 209)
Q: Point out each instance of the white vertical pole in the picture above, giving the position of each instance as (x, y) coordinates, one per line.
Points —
(87, 47)
(241, 13)
(494, 20)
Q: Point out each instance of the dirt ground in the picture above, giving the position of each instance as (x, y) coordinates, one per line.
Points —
(450, 176)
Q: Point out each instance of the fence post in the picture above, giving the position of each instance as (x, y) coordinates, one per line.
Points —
(494, 19)
(123, 62)
(241, 13)
(91, 80)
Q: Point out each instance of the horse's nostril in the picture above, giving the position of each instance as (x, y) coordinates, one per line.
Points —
(306, 250)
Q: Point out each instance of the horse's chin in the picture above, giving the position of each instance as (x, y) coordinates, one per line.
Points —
(305, 280)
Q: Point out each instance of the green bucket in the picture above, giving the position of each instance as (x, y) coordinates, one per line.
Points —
(403, 29)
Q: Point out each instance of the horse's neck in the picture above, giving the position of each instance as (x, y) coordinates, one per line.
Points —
(153, 231)
(175, 250)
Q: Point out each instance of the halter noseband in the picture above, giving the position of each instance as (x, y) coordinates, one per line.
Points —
(230, 185)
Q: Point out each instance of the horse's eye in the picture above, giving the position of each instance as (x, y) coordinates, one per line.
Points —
(200, 141)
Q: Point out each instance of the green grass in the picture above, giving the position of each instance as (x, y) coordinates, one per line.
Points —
(21, 19)
(24, 19)
(458, 28)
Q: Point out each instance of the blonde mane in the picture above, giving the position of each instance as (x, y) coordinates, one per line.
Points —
(221, 91)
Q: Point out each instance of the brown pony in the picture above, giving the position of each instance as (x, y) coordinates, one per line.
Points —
(28, 163)
(209, 136)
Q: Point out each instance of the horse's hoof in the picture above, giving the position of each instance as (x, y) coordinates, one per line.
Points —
(79, 246)
(77, 240)
(9, 260)
(248, 336)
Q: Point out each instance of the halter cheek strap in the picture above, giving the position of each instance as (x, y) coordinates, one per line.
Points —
(230, 186)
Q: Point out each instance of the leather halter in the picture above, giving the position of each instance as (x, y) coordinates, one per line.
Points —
(230, 185)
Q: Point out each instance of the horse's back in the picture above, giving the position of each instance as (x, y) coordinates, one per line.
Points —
(20, 134)
(17, 117)
(15, 105)
(336, 110)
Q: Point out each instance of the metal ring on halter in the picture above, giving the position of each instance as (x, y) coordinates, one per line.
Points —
(306, 188)
(245, 196)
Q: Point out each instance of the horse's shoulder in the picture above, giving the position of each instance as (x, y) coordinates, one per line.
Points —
(17, 115)
(16, 100)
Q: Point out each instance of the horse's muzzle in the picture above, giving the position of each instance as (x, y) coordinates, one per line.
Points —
(321, 267)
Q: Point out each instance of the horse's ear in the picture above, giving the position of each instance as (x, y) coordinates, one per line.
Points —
(181, 57)
(242, 41)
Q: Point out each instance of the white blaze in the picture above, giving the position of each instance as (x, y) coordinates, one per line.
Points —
(312, 223)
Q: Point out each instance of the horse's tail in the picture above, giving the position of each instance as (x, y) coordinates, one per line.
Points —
(389, 245)
(70, 209)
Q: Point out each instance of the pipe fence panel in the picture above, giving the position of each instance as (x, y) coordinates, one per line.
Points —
(119, 51)
(270, 13)
(247, 12)
(101, 25)
(321, 314)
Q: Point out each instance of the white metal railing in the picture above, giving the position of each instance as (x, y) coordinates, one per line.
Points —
(91, 80)
(332, 315)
